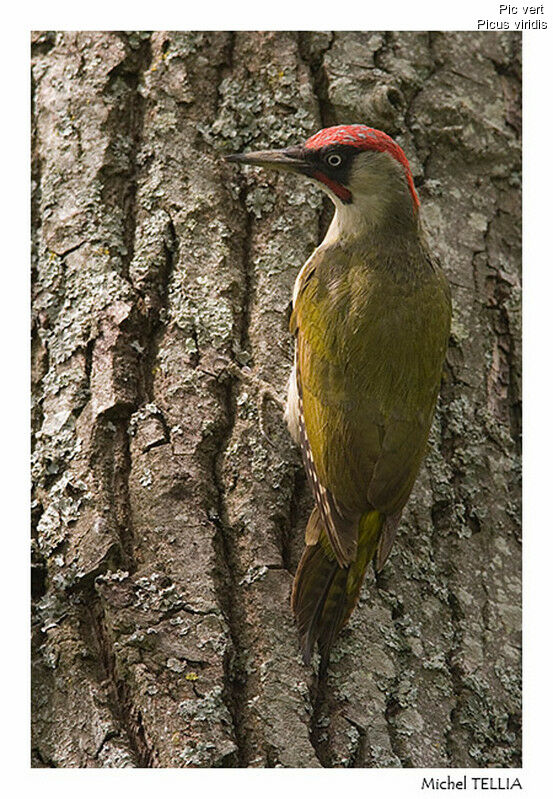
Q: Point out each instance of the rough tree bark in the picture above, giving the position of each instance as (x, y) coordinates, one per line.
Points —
(166, 526)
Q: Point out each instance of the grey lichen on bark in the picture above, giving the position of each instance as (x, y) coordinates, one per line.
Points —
(166, 526)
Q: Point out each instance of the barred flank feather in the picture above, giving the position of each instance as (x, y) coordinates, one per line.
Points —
(324, 594)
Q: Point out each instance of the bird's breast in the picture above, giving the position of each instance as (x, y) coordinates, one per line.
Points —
(292, 410)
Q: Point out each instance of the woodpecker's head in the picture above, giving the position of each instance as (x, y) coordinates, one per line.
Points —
(356, 165)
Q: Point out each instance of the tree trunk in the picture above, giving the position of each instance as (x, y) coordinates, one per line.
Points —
(170, 502)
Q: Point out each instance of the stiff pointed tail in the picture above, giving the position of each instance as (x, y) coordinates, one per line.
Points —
(324, 595)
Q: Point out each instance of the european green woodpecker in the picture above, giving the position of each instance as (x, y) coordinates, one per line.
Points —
(371, 317)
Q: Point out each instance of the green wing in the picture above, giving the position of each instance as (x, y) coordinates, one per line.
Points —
(370, 350)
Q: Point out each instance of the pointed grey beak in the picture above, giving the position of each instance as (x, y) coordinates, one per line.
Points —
(289, 160)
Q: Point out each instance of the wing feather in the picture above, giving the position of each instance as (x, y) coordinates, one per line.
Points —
(340, 526)
(368, 365)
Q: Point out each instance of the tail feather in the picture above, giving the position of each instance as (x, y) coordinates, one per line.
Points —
(324, 594)
(335, 614)
(314, 577)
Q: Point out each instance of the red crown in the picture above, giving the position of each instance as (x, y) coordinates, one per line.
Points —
(364, 138)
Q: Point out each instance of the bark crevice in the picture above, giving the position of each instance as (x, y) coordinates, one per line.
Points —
(228, 589)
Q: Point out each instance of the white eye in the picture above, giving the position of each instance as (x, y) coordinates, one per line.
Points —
(334, 159)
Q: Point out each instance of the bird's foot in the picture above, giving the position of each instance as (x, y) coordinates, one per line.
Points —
(264, 392)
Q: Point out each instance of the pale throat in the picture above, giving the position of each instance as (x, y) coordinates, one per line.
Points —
(355, 222)
(351, 222)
